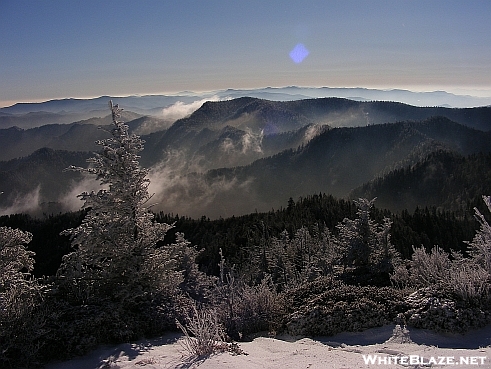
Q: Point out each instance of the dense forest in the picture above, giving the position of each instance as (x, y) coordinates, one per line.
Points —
(237, 236)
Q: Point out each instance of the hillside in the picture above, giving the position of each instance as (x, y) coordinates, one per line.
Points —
(336, 162)
(238, 156)
(31, 183)
(443, 179)
(251, 117)
(78, 136)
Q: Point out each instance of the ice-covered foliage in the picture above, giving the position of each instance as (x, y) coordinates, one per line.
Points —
(115, 248)
(306, 256)
(325, 307)
(480, 246)
(438, 309)
(429, 268)
(243, 308)
(360, 250)
(20, 296)
(15, 260)
(453, 291)
(467, 278)
(364, 244)
(400, 335)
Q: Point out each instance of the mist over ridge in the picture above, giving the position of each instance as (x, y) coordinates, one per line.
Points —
(221, 156)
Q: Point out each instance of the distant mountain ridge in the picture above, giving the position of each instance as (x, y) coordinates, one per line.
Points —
(71, 109)
(252, 119)
(444, 179)
(236, 156)
(79, 136)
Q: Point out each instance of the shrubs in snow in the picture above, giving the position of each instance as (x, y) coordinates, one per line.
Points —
(453, 293)
(440, 310)
(341, 308)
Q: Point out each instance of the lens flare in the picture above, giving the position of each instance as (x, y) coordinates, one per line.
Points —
(299, 53)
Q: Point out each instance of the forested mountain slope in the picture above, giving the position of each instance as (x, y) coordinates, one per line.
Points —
(238, 156)
(341, 159)
(443, 179)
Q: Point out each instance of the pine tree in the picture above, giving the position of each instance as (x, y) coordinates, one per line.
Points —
(20, 295)
(480, 246)
(357, 237)
(116, 255)
(365, 245)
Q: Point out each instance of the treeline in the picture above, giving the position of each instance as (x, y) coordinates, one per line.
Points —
(236, 236)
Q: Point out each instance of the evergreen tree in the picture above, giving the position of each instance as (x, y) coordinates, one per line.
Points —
(365, 245)
(20, 296)
(480, 246)
(116, 255)
(357, 237)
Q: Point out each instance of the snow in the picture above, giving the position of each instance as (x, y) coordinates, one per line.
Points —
(372, 348)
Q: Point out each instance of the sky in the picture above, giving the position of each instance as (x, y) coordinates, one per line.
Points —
(70, 48)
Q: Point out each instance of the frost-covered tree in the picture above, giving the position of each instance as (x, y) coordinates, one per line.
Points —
(364, 244)
(480, 246)
(306, 256)
(115, 253)
(430, 268)
(466, 277)
(20, 296)
(357, 237)
(16, 262)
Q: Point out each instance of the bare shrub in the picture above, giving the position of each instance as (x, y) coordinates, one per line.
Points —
(245, 309)
(259, 308)
(203, 333)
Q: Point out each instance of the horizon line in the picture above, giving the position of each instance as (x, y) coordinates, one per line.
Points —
(461, 92)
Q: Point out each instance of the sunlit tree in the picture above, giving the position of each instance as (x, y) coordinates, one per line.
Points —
(480, 246)
(20, 296)
(115, 248)
(364, 244)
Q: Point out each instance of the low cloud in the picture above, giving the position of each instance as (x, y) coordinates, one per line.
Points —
(228, 146)
(249, 142)
(252, 141)
(170, 114)
(28, 203)
(312, 131)
(179, 189)
(180, 109)
(70, 201)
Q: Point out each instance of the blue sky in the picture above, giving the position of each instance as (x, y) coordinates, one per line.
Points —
(55, 49)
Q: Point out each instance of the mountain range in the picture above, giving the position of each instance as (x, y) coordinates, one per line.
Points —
(171, 107)
(245, 154)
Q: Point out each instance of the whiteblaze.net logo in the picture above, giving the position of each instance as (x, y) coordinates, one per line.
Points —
(426, 361)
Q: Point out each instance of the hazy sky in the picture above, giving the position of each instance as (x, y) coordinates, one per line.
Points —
(64, 48)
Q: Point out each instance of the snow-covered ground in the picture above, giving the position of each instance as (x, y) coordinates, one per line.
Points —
(369, 349)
